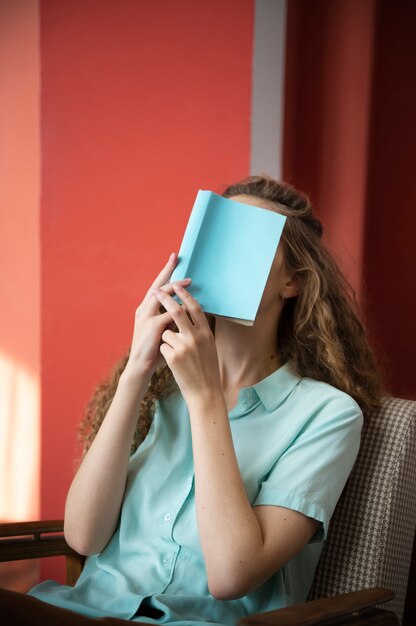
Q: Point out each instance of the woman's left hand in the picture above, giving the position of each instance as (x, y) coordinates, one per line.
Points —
(190, 353)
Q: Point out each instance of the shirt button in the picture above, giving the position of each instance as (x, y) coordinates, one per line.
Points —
(167, 558)
(167, 517)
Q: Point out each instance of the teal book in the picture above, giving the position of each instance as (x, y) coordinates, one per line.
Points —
(228, 250)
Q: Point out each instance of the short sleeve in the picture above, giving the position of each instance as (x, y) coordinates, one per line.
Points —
(310, 475)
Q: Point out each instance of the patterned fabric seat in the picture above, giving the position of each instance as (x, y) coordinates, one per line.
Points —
(371, 534)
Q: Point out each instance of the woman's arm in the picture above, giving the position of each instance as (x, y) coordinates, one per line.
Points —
(242, 546)
(94, 499)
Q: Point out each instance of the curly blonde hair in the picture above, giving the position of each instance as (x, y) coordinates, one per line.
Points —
(319, 330)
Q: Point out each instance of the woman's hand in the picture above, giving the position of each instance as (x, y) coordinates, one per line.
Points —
(149, 325)
(190, 353)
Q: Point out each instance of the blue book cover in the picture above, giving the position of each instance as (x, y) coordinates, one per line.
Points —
(228, 250)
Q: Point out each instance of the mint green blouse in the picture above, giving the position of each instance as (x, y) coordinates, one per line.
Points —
(296, 440)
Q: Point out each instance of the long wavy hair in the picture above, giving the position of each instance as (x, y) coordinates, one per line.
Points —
(319, 330)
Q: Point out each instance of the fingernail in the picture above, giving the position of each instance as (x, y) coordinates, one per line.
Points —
(172, 256)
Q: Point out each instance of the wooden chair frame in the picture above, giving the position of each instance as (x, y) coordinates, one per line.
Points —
(31, 540)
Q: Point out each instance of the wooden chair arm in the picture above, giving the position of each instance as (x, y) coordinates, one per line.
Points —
(32, 540)
(333, 610)
(16, 529)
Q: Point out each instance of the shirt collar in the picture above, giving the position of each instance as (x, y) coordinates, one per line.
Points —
(275, 388)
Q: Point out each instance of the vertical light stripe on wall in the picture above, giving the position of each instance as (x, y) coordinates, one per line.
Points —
(19, 260)
(268, 87)
(19, 275)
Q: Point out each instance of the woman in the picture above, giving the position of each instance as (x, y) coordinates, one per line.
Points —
(245, 439)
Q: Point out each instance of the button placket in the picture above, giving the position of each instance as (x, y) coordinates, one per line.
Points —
(169, 559)
(169, 518)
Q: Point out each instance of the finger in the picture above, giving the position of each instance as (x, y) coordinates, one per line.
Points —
(164, 319)
(170, 286)
(191, 304)
(171, 338)
(166, 272)
(173, 326)
(163, 275)
(166, 351)
(177, 312)
(184, 281)
(153, 303)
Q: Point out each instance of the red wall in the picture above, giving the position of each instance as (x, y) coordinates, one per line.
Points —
(390, 237)
(328, 92)
(142, 105)
(350, 142)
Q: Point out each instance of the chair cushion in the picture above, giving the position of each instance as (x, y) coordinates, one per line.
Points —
(370, 538)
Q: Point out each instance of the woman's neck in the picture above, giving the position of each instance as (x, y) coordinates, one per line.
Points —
(246, 354)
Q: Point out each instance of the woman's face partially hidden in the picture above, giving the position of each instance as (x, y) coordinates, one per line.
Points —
(280, 280)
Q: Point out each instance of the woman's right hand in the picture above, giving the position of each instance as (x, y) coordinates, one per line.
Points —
(150, 324)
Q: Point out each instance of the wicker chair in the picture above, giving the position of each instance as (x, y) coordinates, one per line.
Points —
(366, 557)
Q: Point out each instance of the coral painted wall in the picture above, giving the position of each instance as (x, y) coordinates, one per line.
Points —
(140, 108)
(142, 104)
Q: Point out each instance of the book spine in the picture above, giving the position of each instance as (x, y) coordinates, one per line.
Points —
(191, 235)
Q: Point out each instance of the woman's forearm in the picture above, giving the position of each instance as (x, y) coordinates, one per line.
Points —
(229, 531)
(96, 493)
(230, 534)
